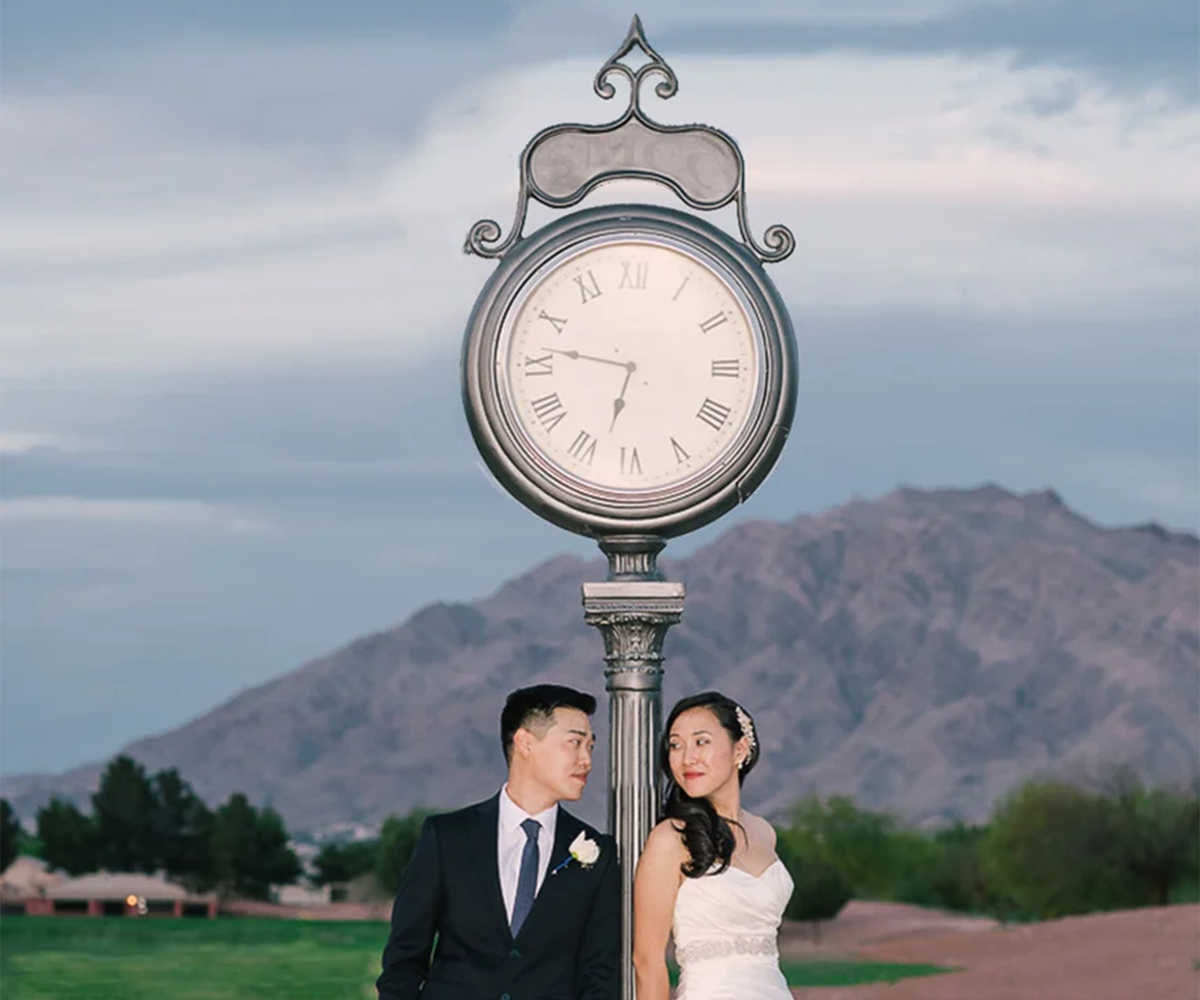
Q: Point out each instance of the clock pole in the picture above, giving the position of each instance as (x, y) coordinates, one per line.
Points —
(632, 609)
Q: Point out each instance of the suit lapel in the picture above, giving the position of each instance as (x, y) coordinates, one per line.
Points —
(485, 840)
(565, 829)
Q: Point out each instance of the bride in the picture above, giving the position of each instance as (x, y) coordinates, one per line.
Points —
(708, 874)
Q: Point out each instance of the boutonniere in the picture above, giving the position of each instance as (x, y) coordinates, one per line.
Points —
(584, 850)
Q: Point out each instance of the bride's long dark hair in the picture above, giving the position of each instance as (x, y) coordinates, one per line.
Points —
(707, 836)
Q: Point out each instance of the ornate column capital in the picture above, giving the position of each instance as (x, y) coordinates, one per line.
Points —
(633, 617)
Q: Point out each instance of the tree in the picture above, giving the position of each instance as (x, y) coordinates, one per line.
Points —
(857, 842)
(68, 837)
(1052, 848)
(124, 814)
(958, 877)
(341, 862)
(1157, 836)
(397, 841)
(29, 844)
(10, 835)
(274, 860)
(183, 827)
(250, 850)
(821, 891)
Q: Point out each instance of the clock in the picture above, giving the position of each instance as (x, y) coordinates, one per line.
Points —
(629, 370)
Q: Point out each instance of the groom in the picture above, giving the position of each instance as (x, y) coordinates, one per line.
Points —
(514, 898)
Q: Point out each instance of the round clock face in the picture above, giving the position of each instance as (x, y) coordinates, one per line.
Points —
(630, 364)
(629, 369)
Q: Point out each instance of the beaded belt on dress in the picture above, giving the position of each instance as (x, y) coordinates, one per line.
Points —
(723, 947)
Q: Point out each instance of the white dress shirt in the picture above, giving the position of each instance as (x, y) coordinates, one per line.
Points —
(510, 844)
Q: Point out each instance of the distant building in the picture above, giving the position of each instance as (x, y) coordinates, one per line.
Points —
(302, 895)
(28, 878)
(117, 894)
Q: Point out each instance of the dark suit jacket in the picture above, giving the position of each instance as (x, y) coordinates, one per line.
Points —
(569, 946)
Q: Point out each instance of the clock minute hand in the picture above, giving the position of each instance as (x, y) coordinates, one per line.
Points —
(576, 356)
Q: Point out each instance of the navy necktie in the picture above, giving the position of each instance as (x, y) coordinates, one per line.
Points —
(527, 880)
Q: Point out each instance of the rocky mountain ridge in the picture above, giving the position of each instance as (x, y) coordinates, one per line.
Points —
(923, 652)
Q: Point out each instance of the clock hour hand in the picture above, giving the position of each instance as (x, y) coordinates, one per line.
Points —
(619, 402)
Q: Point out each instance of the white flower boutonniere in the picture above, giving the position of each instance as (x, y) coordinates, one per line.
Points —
(584, 850)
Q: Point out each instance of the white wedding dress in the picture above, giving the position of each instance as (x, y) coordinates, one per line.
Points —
(726, 934)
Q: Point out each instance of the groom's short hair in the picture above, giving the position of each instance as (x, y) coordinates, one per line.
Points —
(533, 708)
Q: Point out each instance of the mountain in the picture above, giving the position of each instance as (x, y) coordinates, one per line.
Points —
(923, 652)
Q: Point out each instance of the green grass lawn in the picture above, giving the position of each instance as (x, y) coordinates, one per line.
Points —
(116, 958)
(825, 973)
(853, 973)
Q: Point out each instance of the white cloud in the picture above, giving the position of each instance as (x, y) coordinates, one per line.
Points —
(13, 442)
(910, 183)
(182, 514)
(659, 15)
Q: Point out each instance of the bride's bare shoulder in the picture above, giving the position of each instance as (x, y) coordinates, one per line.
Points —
(762, 828)
(667, 836)
(665, 843)
(663, 852)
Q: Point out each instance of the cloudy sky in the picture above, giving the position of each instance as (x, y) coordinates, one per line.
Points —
(233, 296)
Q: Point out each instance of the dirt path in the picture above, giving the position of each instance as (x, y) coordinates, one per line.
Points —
(865, 922)
(1149, 954)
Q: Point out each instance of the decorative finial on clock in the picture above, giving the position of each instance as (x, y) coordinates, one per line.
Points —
(636, 37)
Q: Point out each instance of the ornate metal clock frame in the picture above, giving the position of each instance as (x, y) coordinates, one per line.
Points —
(634, 607)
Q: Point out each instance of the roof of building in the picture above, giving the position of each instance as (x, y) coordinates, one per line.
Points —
(28, 876)
(117, 886)
(27, 861)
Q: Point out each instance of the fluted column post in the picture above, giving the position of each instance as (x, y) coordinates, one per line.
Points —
(632, 609)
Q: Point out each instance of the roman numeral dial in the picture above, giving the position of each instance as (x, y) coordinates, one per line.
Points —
(549, 411)
(713, 414)
(629, 365)
(634, 274)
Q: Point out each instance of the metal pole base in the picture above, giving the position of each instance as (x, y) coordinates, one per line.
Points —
(633, 610)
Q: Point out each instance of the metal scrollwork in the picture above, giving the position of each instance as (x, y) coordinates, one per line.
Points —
(667, 87)
(563, 163)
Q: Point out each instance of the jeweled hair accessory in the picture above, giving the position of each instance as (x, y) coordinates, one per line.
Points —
(743, 718)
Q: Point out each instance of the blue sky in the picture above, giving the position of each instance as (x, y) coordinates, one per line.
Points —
(232, 296)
